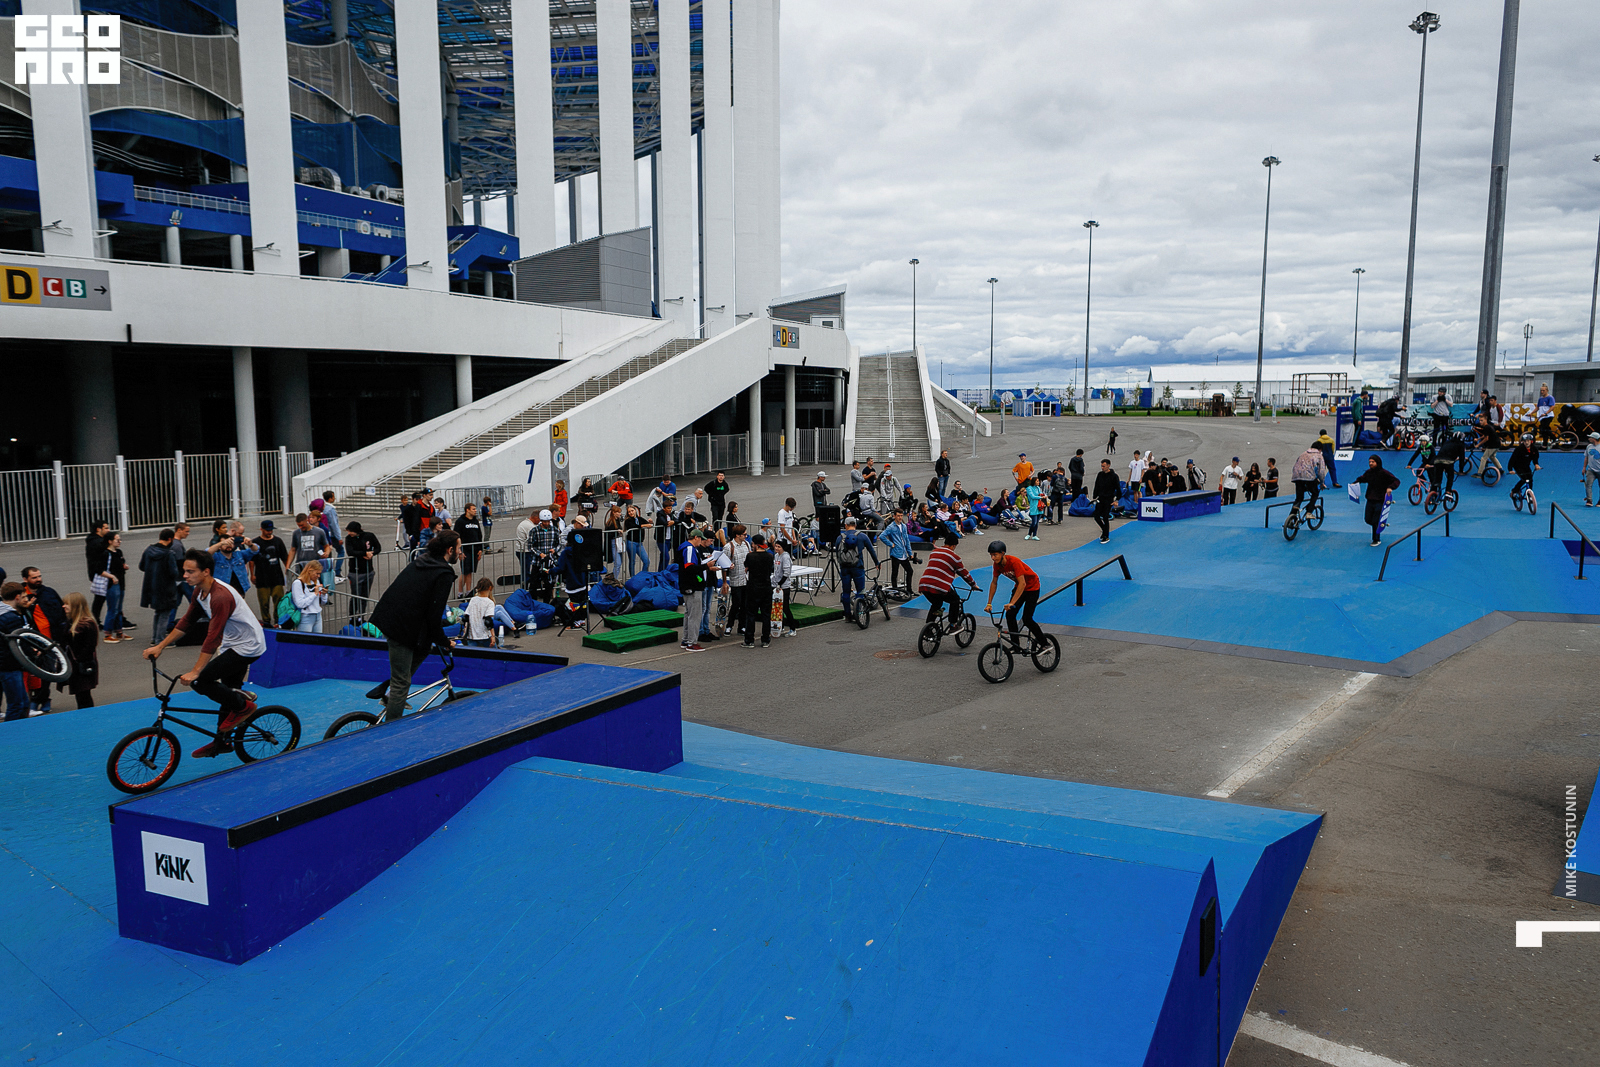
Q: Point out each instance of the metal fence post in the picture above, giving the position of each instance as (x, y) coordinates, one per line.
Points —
(59, 477)
(283, 477)
(233, 482)
(122, 493)
(180, 479)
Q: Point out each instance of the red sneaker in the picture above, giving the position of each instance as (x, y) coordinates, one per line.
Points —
(230, 723)
(215, 748)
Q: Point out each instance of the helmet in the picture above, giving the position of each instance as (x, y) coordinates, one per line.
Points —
(1527, 437)
(545, 515)
(997, 546)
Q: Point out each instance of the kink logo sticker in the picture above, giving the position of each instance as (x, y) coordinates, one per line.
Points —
(174, 867)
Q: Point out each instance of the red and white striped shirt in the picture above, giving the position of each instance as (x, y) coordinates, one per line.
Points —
(940, 573)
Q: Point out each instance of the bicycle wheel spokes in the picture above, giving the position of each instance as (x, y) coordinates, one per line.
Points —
(968, 630)
(928, 639)
(143, 760)
(1047, 654)
(1533, 503)
(266, 733)
(1291, 526)
(994, 662)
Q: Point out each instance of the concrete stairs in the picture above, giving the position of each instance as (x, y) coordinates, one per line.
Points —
(889, 415)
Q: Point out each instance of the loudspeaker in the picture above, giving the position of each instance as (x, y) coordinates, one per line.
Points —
(830, 520)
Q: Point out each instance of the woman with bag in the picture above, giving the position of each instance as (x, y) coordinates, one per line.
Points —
(107, 587)
(82, 637)
(308, 596)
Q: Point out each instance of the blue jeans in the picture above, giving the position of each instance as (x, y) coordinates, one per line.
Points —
(502, 617)
(848, 576)
(706, 612)
(636, 552)
(310, 622)
(114, 595)
(16, 694)
(338, 558)
(944, 485)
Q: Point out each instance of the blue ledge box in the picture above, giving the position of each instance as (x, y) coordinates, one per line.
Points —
(1170, 507)
(228, 865)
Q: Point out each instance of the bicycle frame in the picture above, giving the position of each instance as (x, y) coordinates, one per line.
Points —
(1012, 641)
(166, 711)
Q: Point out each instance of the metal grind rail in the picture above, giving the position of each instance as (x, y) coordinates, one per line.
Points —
(1586, 543)
(1418, 534)
(1079, 580)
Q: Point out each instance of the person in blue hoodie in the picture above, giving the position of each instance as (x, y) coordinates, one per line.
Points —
(896, 537)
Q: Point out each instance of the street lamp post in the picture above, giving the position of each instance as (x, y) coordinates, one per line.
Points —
(914, 263)
(1355, 344)
(1424, 24)
(1594, 294)
(992, 283)
(1261, 329)
(1527, 336)
(1088, 292)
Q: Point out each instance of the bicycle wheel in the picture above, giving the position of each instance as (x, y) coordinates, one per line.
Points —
(269, 731)
(1567, 440)
(349, 724)
(1451, 499)
(1516, 501)
(459, 694)
(1432, 504)
(863, 610)
(928, 639)
(1291, 526)
(1047, 655)
(1491, 475)
(1533, 503)
(1314, 516)
(994, 662)
(1415, 495)
(969, 630)
(143, 760)
(40, 656)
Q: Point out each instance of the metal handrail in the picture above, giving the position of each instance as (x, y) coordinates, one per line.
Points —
(1418, 533)
(1266, 515)
(1554, 507)
(1078, 581)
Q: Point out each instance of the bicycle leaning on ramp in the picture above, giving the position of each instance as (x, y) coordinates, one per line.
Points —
(424, 698)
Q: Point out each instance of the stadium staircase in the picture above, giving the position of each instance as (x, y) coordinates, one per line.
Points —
(889, 414)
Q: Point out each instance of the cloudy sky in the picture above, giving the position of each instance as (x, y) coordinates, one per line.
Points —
(978, 138)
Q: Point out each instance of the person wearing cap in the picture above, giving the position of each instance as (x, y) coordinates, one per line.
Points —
(360, 548)
(1232, 479)
(819, 491)
(1591, 466)
(1023, 471)
(271, 556)
(851, 550)
(693, 557)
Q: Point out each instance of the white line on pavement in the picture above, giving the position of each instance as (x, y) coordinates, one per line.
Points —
(1263, 759)
(1531, 934)
(1263, 1027)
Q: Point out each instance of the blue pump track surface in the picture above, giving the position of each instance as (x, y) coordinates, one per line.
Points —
(1224, 583)
(758, 903)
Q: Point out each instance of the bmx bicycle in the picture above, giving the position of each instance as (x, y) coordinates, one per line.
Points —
(1525, 496)
(146, 758)
(996, 659)
(875, 597)
(1448, 497)
(432, 695)
(1311, 518)
(939, 627)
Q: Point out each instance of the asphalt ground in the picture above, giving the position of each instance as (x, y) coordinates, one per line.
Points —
(1443, 792)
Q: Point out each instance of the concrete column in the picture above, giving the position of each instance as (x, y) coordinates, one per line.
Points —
(291, 396)
(416, 42)
(675, 173)
(68, 205)
(488, 283)
(574, 209)
(535, 213)
(619, 191)
(235, 251)
(716, 172)
(838, 398)
(511, 214)
(268, 142)
(333, 262)
(463, 380)
(94, 402)
(791, 439)
(756, 466)
(102, 245)
(755, 178)
(244, 399)
(174, 246)
(339, 17)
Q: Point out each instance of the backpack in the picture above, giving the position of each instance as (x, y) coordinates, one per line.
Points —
(288, 614)
(849, 553)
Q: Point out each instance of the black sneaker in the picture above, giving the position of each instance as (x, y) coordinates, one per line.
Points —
(766, 644)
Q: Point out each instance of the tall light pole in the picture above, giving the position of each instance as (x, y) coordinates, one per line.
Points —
(1499, 176)
(1261, 329)
(914, 263)
(1355, 343)
(992, 283)
(1088, 292)
(1594, 294)
(1424, 24)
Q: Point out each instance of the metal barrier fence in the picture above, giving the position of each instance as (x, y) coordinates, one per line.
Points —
(692, 454)
(61, 501)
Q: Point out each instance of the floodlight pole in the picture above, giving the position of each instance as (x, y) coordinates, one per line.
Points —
(1355, 343)
(1594, 294)
(1499, 168)
(914, 263)
(992, 282)
(1088, 293)
(1261, 329)
(1424, 24)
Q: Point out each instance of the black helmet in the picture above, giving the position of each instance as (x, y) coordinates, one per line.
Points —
(997, 546)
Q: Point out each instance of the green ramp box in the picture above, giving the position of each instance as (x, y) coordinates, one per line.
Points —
(645, 618)
(629, 638)
(811, 614)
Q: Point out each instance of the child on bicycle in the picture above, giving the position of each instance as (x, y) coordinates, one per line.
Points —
(1524, 461)
(939, 576)
(1024, 590)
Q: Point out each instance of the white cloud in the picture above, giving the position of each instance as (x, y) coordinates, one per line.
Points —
(979, 140)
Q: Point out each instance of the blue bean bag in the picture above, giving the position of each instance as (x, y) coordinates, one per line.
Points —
(520, 604)
(609, 599)
(541, 614)
(1083, 506)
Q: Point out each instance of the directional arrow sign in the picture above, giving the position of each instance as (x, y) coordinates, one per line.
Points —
(73, 288)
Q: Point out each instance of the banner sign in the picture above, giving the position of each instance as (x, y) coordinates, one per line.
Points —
(54, 287)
